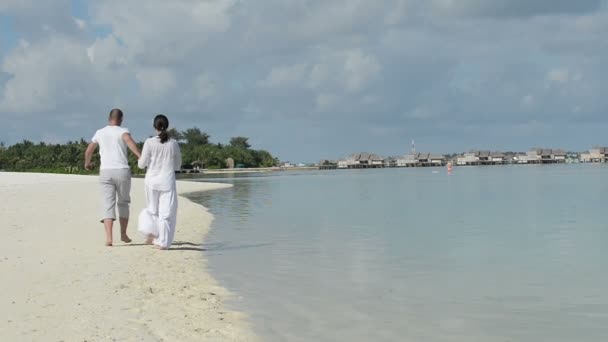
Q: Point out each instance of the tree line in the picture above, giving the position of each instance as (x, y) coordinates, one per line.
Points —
(196, 147)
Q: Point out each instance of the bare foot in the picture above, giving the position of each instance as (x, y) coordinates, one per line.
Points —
(160, 248)
(149, 240)
(125, 239)
(109, 243)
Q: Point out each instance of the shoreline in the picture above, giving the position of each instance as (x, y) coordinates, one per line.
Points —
(186, 173)
(61, 282)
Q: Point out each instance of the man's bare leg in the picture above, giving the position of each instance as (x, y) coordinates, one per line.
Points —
(108, 223)
(124, 222)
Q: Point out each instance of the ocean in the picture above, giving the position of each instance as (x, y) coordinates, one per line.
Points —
(502, 253)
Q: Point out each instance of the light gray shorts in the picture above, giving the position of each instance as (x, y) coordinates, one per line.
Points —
(115, 192)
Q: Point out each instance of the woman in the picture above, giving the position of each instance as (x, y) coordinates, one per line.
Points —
(161, 156)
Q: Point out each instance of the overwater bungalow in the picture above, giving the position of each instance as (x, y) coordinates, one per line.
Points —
(436, 159)
(484, 157)
(468, 158)
(361, 160)
(595, 155)
(520, 158)
(421, 160)
(328, 165)
(497, 158)
(390, 162)
(481, 158)
(551, 156)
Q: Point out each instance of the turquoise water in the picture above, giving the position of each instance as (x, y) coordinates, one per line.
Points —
(513, 253)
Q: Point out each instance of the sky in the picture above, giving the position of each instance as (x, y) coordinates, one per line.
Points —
(311, 79)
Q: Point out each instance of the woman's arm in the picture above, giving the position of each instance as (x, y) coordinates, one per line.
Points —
(177, 158)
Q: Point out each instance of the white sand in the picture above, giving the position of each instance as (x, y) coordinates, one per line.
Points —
(60, 283)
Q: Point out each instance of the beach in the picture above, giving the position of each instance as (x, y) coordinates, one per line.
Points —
(60, 283)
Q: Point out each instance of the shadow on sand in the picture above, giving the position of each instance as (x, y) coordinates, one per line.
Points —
(190, 246)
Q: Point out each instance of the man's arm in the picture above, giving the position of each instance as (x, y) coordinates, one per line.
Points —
(126, 137)
(88, 154)
(143, 161)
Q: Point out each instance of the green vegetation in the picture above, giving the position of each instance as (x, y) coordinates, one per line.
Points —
(197, 150)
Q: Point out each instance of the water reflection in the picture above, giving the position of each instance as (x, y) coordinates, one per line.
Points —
(233, 203)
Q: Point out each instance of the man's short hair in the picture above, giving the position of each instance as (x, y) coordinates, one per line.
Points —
(115, 114)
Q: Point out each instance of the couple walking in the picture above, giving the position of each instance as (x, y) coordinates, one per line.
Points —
(161, 157)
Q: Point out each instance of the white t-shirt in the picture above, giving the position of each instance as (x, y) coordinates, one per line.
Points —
(162, 160)
(112, 149)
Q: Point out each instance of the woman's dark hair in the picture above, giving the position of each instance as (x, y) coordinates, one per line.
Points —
(161, 123)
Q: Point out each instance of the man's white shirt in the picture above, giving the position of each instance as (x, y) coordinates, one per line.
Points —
(112, 147)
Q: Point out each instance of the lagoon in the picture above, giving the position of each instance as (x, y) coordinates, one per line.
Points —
(512, 253)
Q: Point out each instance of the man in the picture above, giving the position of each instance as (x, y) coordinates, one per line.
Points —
(114, 172)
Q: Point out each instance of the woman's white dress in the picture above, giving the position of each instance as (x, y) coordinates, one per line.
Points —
(158, 219)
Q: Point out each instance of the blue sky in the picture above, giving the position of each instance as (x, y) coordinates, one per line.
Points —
(312, 79)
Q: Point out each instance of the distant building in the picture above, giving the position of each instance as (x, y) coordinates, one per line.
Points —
(559, 156)
(595, 155)
(197, 165)
(418, 159)
(436, 159)
(551, 156)
(532, 157)
(390, 162)
(520, 158)
(421, 160)
(572, 157)
(484, 157)
(364, 160)
(408, 160)
(468, 158)
(497, 158)
(328, 165)
(481, 158)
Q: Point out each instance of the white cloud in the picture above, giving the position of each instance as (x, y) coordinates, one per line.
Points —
(165, 32)
(80, 23)
(42, 76)
(204, 87)
(13, 6)
(397, 14)
(284, 76)
(360, 69)
(325, 102)
(559, 75)
(577, 76)
(318, 75)
(156, 82)
(106, 52)
(528, 101)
